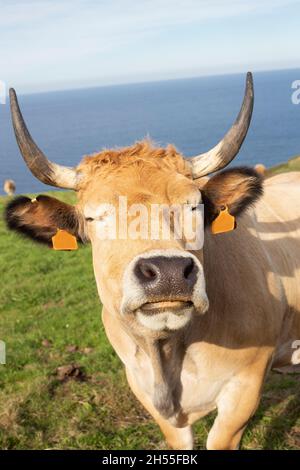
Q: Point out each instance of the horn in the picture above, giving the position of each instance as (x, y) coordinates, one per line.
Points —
(225, 151)
(45, 170)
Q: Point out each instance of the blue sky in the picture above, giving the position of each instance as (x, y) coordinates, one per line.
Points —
(58, 44)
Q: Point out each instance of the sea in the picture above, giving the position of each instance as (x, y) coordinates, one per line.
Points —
(193, 114)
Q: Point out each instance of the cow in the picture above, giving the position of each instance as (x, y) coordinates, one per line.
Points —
(9, 187)
(261, 169)
(197, 330)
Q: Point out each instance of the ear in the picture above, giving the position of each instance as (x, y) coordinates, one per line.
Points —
(236, 188)
(40, 218)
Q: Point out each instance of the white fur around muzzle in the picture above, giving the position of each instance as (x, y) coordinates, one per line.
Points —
(134, 296)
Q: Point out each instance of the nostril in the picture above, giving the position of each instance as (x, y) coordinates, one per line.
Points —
(189, 269)
(146, 271)
(166, 276)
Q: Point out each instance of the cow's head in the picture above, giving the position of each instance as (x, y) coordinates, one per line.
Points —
(153, 284)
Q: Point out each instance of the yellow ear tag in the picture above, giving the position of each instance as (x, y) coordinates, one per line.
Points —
(224, 222)
(63, 240)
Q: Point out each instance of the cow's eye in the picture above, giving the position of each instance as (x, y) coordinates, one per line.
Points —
(89, 219)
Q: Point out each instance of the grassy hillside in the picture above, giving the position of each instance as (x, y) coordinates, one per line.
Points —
(50, 317)
(291, 165)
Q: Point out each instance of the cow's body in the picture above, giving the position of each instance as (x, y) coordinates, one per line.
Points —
(195, 330)
(252, 280)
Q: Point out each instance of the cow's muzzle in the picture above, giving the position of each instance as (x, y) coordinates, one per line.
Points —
(167, 277)
(164, 288)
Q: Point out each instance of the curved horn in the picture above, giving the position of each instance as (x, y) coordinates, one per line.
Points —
(225, 151)
(46, 171)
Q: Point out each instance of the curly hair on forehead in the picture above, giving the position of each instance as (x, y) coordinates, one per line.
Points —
(140, 154)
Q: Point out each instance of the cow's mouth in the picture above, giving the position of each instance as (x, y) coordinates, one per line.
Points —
(175, 306)
(165, 315)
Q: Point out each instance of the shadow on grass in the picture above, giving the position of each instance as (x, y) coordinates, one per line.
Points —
(282, 424)
(277, 415)
(98, 413)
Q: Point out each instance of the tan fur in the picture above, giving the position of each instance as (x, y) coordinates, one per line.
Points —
(9, 187)
(261, 169)
(229, 193)
(221, 359)
(142, 156)
(252, 275)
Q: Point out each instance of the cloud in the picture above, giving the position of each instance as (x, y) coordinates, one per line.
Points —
(47, 39)
(131, 12)
(127, 13)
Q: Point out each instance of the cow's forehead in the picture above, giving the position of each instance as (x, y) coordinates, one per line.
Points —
(141, 153)
(140, 169)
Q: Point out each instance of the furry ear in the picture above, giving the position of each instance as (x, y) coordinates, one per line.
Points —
(39, 219)
(236, 188)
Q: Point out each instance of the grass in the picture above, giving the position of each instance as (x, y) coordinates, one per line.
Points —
(291, 165)
(50, 317)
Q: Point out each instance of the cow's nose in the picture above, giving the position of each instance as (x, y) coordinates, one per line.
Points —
(167, 277)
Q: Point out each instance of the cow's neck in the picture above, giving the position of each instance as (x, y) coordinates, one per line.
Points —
(166, 357)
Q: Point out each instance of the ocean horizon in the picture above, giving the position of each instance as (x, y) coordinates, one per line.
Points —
(192, 113)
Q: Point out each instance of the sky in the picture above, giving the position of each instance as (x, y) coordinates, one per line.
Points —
(62, 44)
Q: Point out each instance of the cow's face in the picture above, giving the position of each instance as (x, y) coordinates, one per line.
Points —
(145, 275)
(153, 282)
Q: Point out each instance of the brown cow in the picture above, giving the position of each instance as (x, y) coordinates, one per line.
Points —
(260, 169)
(9, 187)
(196, 330)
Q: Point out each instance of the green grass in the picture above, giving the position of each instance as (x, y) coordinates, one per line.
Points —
(48, 295)
(291, 165)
